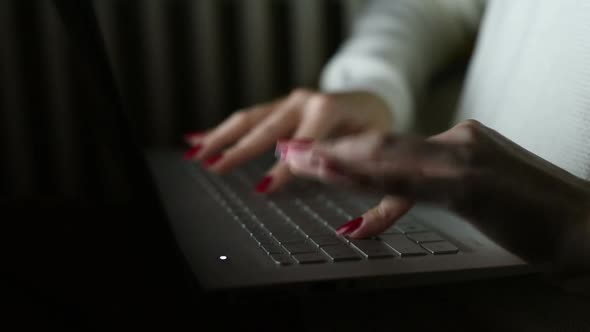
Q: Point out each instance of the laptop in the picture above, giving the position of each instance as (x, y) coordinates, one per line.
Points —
(235, 239)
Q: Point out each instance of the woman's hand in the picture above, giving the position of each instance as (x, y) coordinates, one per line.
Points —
(522, 201)
(303, 115)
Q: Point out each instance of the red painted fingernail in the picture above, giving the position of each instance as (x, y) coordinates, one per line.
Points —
(263, 185)
(192, 151)
(190, 136)
(350, 226)
(281, 148)
(212, 160)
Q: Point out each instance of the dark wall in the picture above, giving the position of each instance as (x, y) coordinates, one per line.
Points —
(181, 65)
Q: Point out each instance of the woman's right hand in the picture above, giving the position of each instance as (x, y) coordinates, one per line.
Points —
(302, 115)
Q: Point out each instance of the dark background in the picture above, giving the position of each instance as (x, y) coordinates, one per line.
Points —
(181, 65)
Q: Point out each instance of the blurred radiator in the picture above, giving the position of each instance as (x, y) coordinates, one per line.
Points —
(181, 65)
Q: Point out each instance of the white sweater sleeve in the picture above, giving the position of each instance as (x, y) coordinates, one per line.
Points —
(396, 45)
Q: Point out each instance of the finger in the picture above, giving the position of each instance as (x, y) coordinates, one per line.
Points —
(423, 183)
(230, 130)
(316, 123)
(320, 116)
(401, 167)
(279, 124)
(276, 177)
(194, 138)
(377, 219)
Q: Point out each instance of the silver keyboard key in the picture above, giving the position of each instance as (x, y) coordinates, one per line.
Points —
(321, 240)
(282, 259)
(338, 253)
(329, 216)
(373, 248)
(299, 247)
(392, 230)
(272, 248)
(410, 227)
(315, 229)
(402, 245)
(424, 237)
(289, 236)
(441, 248)
(279, 227)
(310, 258)
(264, 238)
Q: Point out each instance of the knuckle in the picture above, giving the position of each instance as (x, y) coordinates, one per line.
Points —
(320, 106)
(470, 130)
(300, 93)
(378, 142)
(241, 116)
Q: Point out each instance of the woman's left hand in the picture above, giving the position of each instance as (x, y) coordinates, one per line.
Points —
(520, 200)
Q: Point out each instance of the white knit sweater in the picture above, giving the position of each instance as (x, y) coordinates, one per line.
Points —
(529, 76)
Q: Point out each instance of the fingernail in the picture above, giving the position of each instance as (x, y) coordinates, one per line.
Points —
(212, 160)
(281, 149)
(190, 136)
(350, 226)
(263, 185)
(299, 144)
(283, 145)
(192, 151)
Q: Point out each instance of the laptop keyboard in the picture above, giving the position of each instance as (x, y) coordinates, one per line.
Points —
(297, 225)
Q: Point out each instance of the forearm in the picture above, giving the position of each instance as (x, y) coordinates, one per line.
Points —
(397, 45)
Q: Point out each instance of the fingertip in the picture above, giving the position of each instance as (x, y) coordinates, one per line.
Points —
(193, 137)
(350, 227)
(192, 152)
(381, 217)
(276, 178)
(263, 185)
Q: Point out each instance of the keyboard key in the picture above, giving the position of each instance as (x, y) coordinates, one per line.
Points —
(257, 232)
(299, 247)
(310, 258)
(424, 237)
(279, 227)
(272, 248)
(321, 240)
(373, 248)
(264, 238)
(338, 253)
(268, 216)
(249, 223)
(410, 227)
(402, 245)
(329, 216)
(289, 236)
(441, 248)
(315, 229)
(392, 230)
(282, 259)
